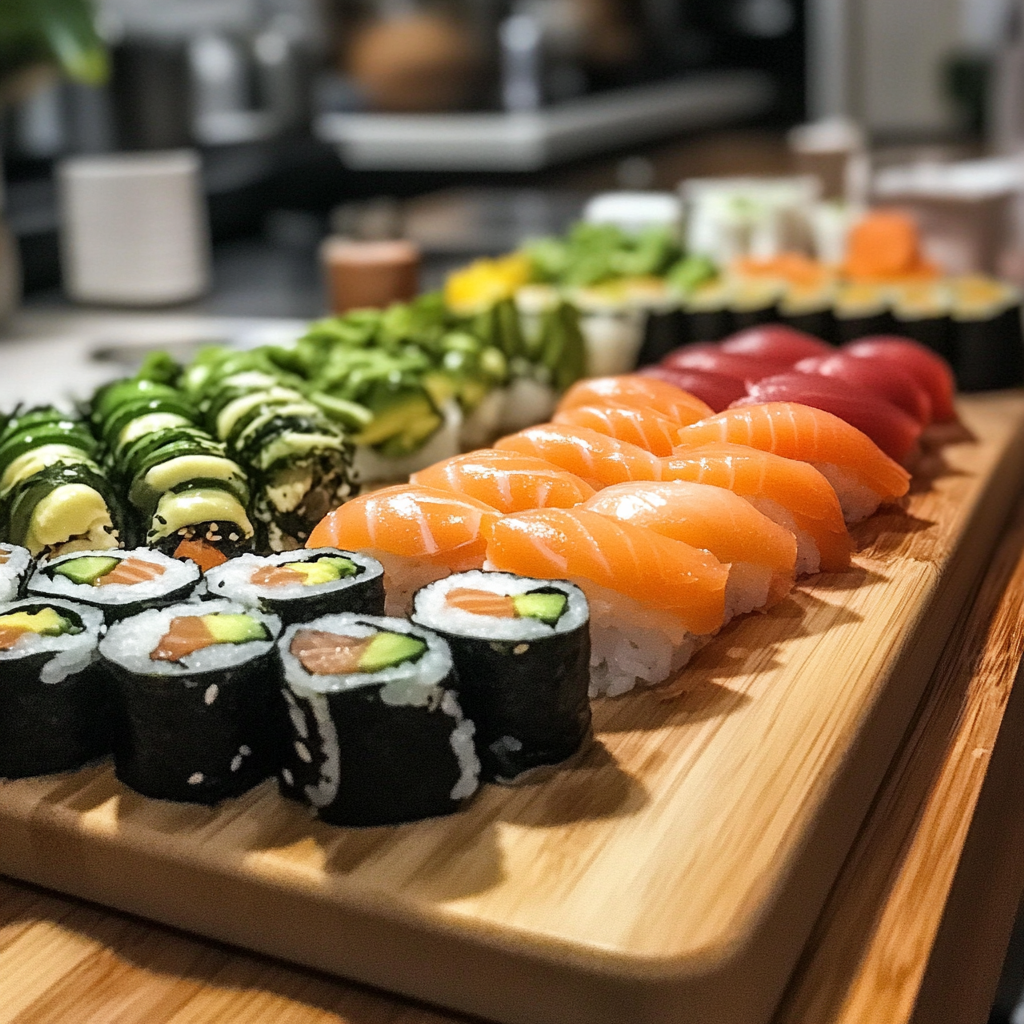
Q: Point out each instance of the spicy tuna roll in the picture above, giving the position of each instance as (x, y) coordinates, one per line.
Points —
(302, 585)
(120, 583)
(53, 709)
(376, 732)
(522, 653)
(15, 565)
(194, 700)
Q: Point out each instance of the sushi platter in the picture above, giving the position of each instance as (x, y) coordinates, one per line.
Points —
(671, 872)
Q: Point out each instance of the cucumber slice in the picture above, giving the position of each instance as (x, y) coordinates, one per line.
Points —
(170, 475)
(36, 460)
(190, 508)
(388, 649)
(87, 569)
(546, 607)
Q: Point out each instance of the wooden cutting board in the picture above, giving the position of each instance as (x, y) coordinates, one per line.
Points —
(672, 874)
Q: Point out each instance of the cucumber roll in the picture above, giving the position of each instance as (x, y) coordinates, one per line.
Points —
(53, 706)
(188, 497)
(298, 458)
(522, 653)
(119, 583)
(300, 586)
(15, 565)
(987, 335)
(376, 733)
(54, 497)
(194, 700)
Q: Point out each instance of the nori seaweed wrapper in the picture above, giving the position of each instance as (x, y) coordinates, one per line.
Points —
(934, 332)
(376, 749)
(664, 331)
(821, 324)
(850, 328)
(196, 737)
(53, 726)
(989, 351)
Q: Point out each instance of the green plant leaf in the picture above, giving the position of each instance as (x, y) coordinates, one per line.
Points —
(62, 32)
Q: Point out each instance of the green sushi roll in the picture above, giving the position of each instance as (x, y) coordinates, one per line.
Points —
(188, 498)
(54, 495)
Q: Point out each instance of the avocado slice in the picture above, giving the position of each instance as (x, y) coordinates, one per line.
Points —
(388, 649)
(325, 570)
(47, 622)
(234, 629)
(88, 569)
(547, 607)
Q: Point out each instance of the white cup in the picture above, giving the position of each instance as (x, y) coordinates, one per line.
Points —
(134, 230)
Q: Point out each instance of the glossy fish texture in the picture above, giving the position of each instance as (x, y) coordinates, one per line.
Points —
(641, 427)
(639, 392)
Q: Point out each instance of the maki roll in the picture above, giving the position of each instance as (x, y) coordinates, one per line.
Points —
(15, 564)
(987, 335)
(376, 732)
(54, 497)
(522, 653)
(810, 310)
(753, 303)
(194, 700)
(188, 497)
(861, 310)
(706, 313)
(119, 583)
(612, 327)
(302, 585)
(922, 312)
(53, 707)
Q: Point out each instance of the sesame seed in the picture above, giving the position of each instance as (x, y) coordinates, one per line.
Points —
(195, 778)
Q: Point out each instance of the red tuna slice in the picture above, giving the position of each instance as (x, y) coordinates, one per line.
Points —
(890, 428)
(727, 364)
(717, 390)
(885, 379)
(776, 342)
(932, 371)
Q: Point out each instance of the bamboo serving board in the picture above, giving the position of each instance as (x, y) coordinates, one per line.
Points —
(672, 874)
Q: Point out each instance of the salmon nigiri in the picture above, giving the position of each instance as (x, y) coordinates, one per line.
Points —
(505, 480)
(653, 600)
(790, 493)
(418, 534)
(641, 427)
(761, 554)
(862, 475)
(638, 392)
(597, 458)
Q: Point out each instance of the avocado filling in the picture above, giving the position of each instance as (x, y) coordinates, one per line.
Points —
(545, 605)
(329, 654)
(190, 633)
(308, 574)
(47, 622)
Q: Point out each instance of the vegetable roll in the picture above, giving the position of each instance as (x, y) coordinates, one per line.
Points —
(377, 735)
(522, 653)
(15, 565)
(987, 335)
(302, 585)
(194, 700)
(54, 497)
(189, 498)
(53, 706)
(861, 310)
(119, 583)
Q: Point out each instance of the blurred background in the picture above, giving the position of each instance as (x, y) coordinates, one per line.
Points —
(471, 124)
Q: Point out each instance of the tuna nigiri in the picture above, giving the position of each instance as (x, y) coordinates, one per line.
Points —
(776, 342)
(653, 600)
(930, 370)
(894, 431)
(417, 533)
(641, 427)
(597, 458)
(790, 493)
(637, 392)
(506, 481)
(886, 379)
(862, 474)
(717, 390)
(760, 553)
(711, 359)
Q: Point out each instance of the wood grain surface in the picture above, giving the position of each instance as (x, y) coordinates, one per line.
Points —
(672, 874)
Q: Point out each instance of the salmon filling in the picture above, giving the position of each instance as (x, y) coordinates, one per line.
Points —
(205, 555)
(5, 557)
(482, 602)
(10, 635)
(43, 623)
(328, 654)
(130, 571)
(276, 576)
(191, 633)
